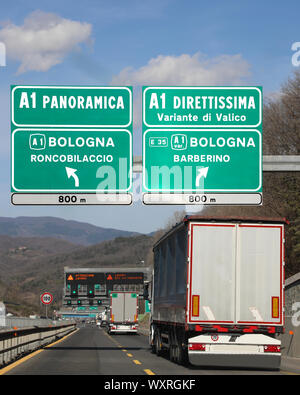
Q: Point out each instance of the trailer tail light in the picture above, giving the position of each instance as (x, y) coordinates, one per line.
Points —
(135, 318)
(112, 318)
(220, 328)
(197, 347)
(271, 348)
(195, 305)
(275, 307)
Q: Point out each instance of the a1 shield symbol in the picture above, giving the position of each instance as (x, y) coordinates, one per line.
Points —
(37, 141)
(179, 142)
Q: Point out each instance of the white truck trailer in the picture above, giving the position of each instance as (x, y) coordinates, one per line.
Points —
(218, 292)
(123, 312)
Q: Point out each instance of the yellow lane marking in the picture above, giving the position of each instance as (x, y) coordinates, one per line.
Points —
(137, 362)
(115, 342)
(60, 340)
(29, 356)
(13, 365)
(289, 373)
(149, 372)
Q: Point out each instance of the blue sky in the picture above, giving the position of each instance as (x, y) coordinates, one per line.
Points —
(116, 42)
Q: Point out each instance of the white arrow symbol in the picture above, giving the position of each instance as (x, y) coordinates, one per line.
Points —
(72, 173)
(201, 173)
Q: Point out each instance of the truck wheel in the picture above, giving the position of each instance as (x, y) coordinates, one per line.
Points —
(152, 339)
(153, 347)
(181, 355)
(172, 347)
(158, 345)
(173, 353)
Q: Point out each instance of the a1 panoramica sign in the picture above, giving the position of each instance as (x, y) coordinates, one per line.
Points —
(202, 140)
(71, 140)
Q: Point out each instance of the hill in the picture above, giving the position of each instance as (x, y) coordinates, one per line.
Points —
(69, 230)
(28, 267)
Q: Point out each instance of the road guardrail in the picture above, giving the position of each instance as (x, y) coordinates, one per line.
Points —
(15, 343)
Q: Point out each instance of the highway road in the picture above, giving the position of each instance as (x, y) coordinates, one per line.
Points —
(91, 351)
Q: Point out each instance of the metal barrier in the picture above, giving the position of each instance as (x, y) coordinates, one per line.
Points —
(24, 322)
(291, 337)
(290, 340)
(19, 342)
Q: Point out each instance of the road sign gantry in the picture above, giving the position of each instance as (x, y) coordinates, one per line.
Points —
(202, 145)
(71, 145)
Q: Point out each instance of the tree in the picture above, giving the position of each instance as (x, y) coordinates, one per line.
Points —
(281, 125)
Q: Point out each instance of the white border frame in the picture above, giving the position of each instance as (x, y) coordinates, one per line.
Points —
(202, 88)
(71, 190)
(204, 190)
(69, 87)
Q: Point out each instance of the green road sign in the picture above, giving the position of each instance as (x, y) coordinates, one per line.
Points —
(147, 306)
(202, 160)
(71, 106)
(71, 139)
(196, 107)
(202, 139)
(58, 160)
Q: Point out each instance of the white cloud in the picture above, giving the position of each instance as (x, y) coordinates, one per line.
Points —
(43, 40)
(272, 96)
(187, 70)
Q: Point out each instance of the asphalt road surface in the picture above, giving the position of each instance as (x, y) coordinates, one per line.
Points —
(91, 351)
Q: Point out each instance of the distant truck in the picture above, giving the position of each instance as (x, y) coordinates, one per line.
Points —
(123, 312)
(217, 292)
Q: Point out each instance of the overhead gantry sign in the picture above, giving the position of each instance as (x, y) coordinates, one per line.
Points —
(71, 145)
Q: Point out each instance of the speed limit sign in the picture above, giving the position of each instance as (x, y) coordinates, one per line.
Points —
(46, 298)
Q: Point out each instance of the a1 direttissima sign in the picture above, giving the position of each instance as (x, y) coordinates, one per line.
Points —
(71, 145)
(202, 145)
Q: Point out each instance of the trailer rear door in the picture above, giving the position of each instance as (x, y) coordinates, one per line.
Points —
(212, 272)
(259, 274)
(235, 273)
(130, 311)
(124, 306)
(117, 307)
